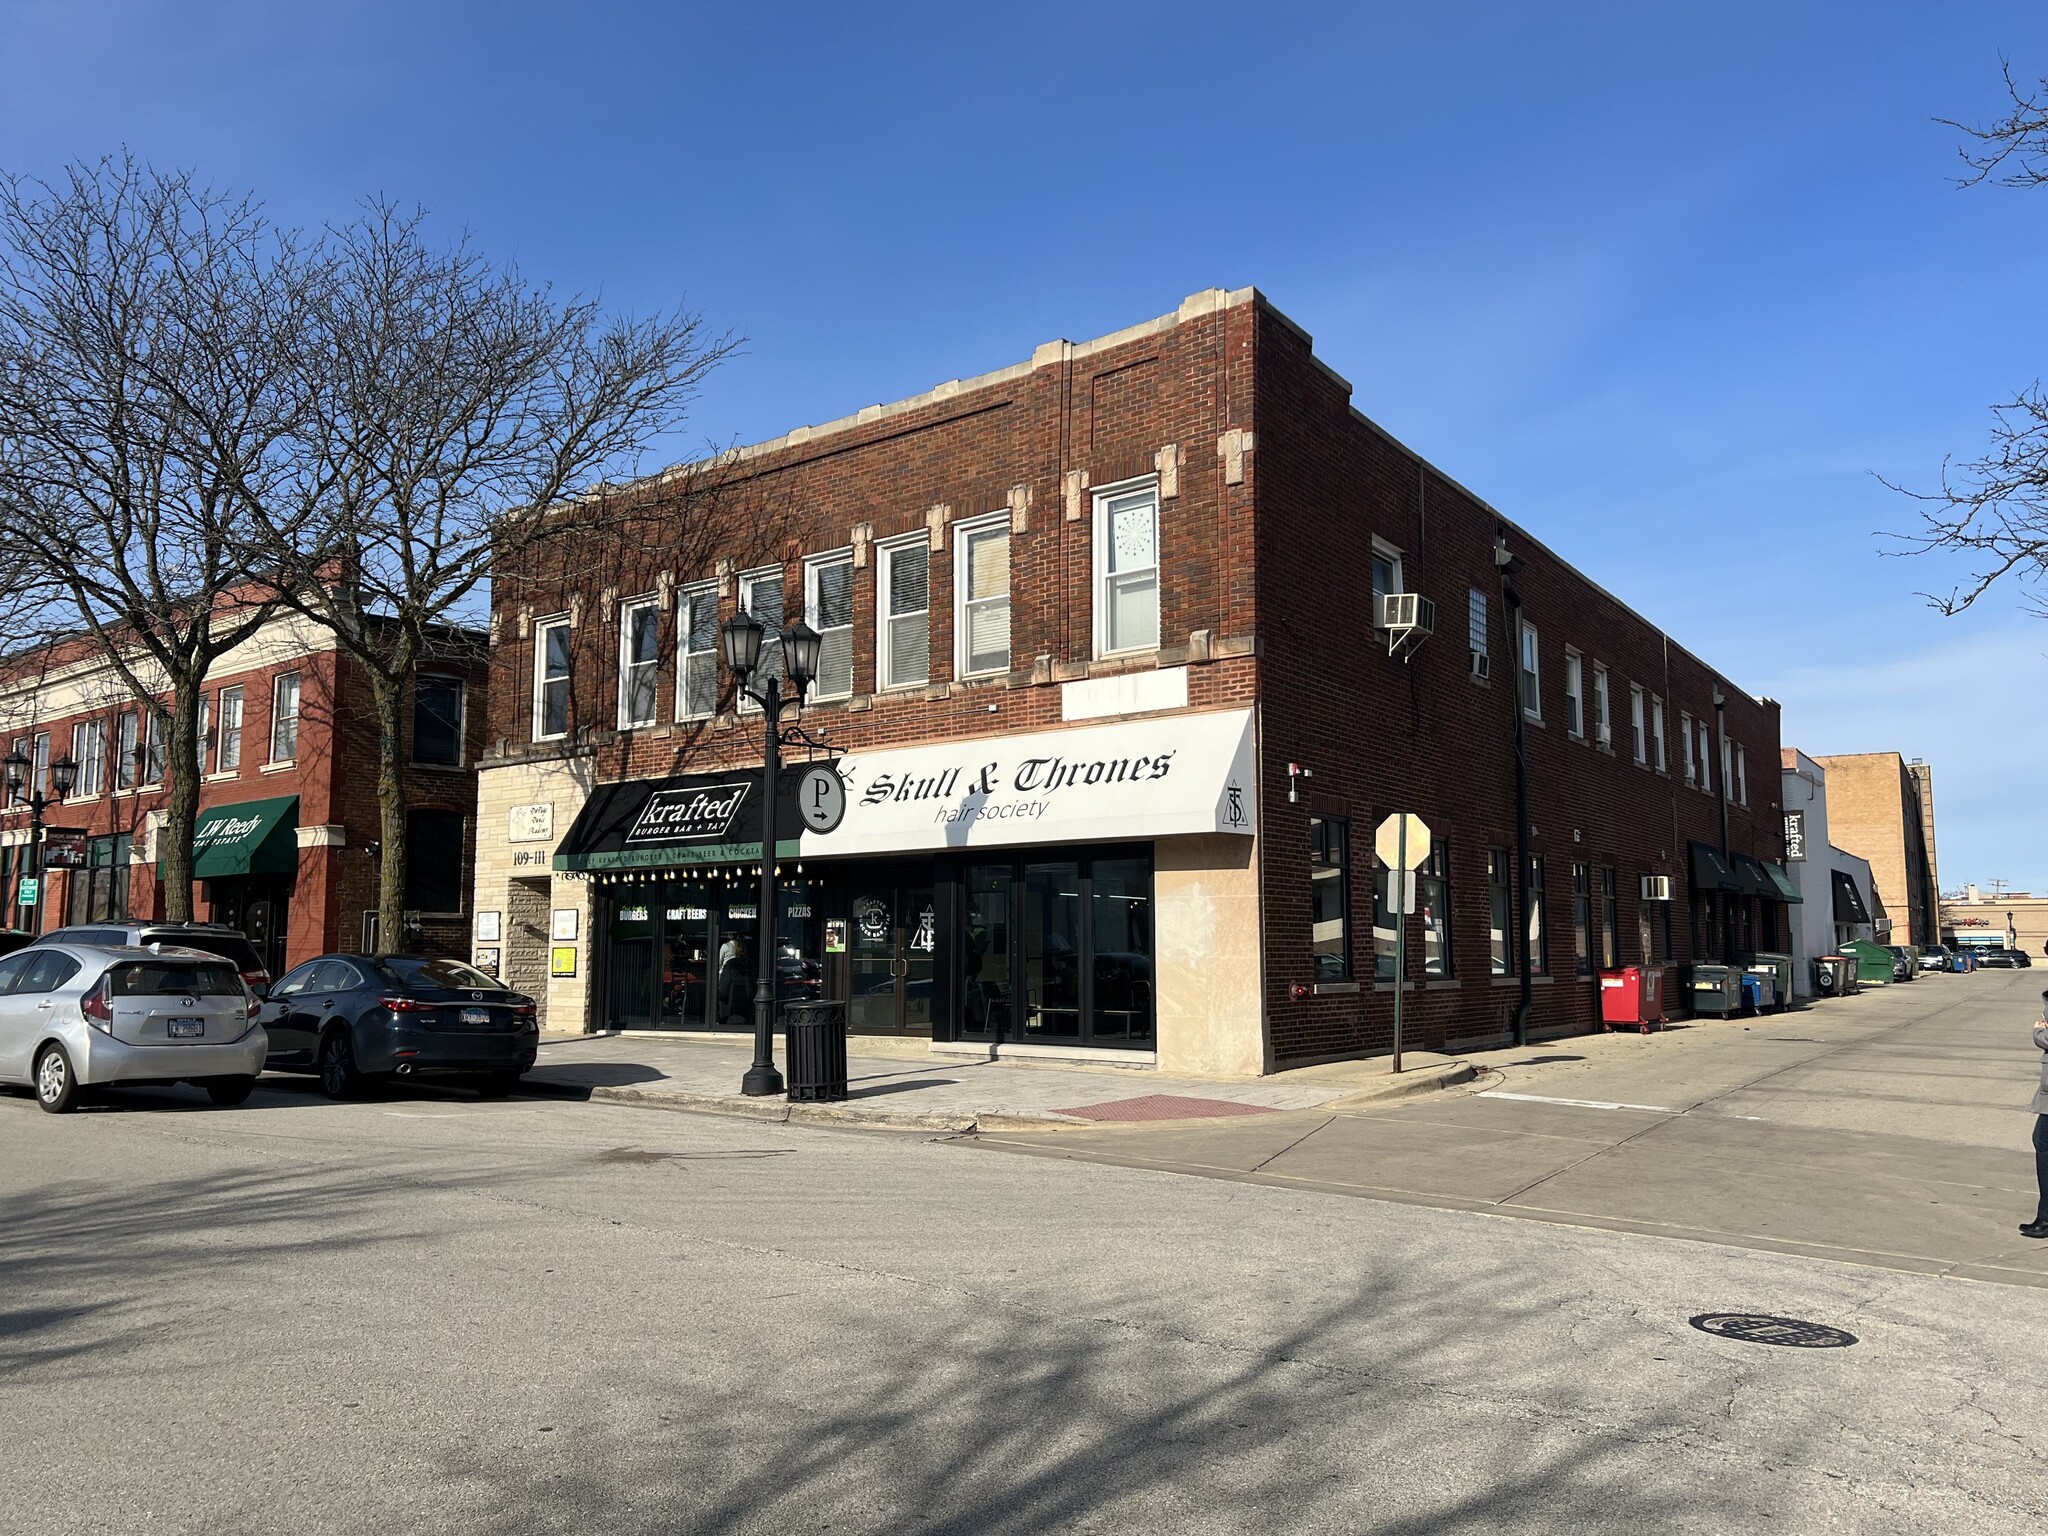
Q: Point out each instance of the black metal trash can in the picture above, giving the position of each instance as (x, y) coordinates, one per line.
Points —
(816, 1034)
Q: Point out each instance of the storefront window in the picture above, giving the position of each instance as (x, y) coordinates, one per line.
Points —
(1120, 935)
(1386, 924)
(99, 892)
(1329, 852)
(1433, 897)
(1610, 936)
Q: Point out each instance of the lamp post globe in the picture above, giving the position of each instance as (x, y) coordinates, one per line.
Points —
(17, 770)
(801, 646)
(742, 636)
(63, 774)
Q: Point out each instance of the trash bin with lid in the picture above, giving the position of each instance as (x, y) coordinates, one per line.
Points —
(1715, 990)
(1632, 994)
(1778, 969)
(816, 1032)
(1758, 993)
(1834, 975)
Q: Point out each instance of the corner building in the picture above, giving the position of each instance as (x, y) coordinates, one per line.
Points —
(1102, 650)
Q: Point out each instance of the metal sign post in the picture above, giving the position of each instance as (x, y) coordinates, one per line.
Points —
(1398, 840)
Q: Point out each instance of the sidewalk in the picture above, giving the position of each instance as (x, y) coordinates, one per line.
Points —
(899, 1084)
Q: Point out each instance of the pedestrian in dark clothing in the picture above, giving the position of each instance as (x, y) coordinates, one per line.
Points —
(2038, 1227)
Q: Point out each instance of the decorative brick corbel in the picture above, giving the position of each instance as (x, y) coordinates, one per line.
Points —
(576, 611)
(1020, 509)
(1073, 483)
(1167, 462)
(608, 606)
(525, 621)
(935, 520)
(722, 571)
(861, 536)
(1231, 448)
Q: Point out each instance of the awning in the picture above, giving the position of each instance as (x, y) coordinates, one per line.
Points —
(691, 818)
(1754, 881)
(1787, 887)
(1849, 906)
(250, 837)
(1710, 872)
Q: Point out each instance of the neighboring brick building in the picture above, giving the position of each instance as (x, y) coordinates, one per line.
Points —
(1881, 808)
(288, 825)
(1101, 646)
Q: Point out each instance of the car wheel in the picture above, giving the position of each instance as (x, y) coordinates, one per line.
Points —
(495, 1085)
(339, 1076)
(56, 1083)
(230, 1090)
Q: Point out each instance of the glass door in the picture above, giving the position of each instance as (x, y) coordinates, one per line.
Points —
(892, 941)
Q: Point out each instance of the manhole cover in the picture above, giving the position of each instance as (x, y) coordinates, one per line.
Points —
(1757, 1328)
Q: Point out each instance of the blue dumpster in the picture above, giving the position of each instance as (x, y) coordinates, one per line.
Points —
(1757, 992)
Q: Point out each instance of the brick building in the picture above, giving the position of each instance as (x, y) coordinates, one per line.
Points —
(288, 828)
(1881, 808)
(1102, 648)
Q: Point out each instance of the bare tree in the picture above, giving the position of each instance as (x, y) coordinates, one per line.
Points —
(460, 416)
(147, 387)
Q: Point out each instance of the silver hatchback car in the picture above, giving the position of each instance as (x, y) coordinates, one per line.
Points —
(73, 1016)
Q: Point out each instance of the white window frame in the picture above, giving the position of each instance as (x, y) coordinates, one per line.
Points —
(1478, 623)
(1685, 747)
(39, 763)
(886, 680)
(1603, 709)
(684, 598)
(770, 664)
(813, 564)
(1727, 766)
(89, 751)
(1638, 724)
(221, 765)
(1382, 550)
(277, 717)
(1100, 577)
(1742, 775)
(1574, 694)
(628, 607)
(127, 750)
(541, 627)
(1657, 734)
(1529, 665)
(964, 535)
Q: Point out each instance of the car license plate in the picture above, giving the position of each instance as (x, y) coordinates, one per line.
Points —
(187, 1029)
(476, 1015)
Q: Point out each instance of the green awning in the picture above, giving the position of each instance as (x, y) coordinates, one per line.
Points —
(250, 837)
(1710, 872)
(1788, 888)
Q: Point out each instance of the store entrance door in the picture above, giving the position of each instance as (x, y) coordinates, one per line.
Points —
(892, 936)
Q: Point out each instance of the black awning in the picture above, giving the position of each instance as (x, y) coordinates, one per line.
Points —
(1754, 881)
(1849, 906)
(1710, 872)
(690, 818)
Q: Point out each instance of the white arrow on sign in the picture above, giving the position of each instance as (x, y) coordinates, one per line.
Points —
(1387, 842)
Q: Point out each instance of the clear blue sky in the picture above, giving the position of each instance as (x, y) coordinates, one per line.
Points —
(1666, 284)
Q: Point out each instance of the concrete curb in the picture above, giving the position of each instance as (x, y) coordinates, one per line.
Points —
(1406, 1086)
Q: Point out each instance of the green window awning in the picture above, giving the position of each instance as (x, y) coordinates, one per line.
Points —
(1788, 888)
(1710, 872)
(250, 837)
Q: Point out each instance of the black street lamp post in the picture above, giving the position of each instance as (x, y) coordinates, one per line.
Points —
(742, 635)
(63, 774)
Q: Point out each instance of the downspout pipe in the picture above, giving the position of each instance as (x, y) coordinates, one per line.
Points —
(1727, 856)
(1511, 614)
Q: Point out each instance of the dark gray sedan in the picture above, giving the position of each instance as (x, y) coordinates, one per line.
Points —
(355, 1019)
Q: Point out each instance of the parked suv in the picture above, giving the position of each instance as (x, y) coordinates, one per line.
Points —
(215, 938)
(1935, 957)
(73, 1015)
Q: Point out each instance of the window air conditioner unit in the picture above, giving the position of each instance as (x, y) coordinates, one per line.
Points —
(1482, 665)
(1656, 887)
(1409, 618)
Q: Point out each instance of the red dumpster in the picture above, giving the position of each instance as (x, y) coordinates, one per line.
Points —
(1632, 994)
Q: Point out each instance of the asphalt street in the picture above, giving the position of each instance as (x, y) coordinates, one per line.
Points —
(429, 1312)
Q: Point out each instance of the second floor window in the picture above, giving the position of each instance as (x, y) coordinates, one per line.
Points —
(697, 653)
(41, 763)
(1386, 579)
(127, 750)
(828, 608)
(1741, 776)
(228, 754)
(761, 595)
(1657, 732)
(154, 757)
(983, 583)
(1532, 696)
(437, 720)
(1635, 723)
(551, 679)
(1603, 731)
(1574, 694)
(89, 751)
(284, 718)
(1477, 633)
(1685, 745)
(1127, 570)
(906, 620)
(639, 661)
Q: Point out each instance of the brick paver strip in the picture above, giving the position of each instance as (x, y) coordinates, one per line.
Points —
(1166, 1106)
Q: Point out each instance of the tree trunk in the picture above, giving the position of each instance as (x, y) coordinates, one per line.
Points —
(174, 857)
(389, 694)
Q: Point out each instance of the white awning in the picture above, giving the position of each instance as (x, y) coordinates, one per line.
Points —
(1164, 777)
